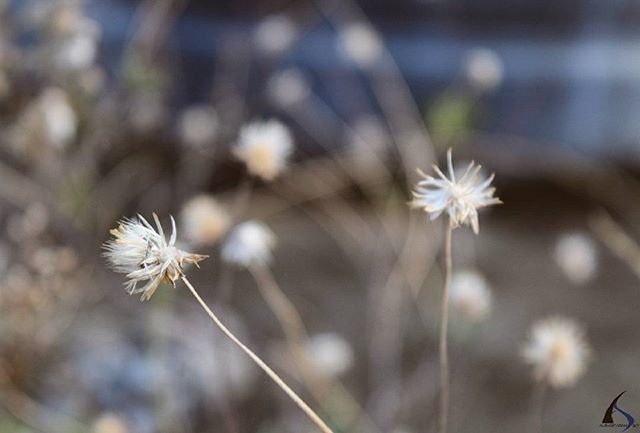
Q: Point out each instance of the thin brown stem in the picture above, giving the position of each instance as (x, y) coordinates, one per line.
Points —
(319, 385)
(273, 375)
(280, 305)
(295, 332)
(34, 414)
(617, 240)
(538, 399)
(242, 198)
(443, 412)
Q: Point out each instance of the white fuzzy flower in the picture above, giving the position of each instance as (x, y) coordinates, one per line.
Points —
(204, 220)
(576, 255)
(360, 43)
(79, 50)
(459, 198)
(558, 351)
(288, 87)
(275, 34)
(483, 69)
(250, 243)
(330, 353)
(59, 119)
(145, 256)
(264, 147)
(470, 295)
(198, 125)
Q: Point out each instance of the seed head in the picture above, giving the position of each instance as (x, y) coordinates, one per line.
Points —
(143, 254)
(460, 198)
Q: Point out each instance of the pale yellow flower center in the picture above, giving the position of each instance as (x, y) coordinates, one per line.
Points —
(559, 351)
(262, 161)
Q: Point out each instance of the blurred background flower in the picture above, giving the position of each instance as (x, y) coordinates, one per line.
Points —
(250, 121)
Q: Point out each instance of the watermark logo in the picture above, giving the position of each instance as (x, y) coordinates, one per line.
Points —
(608, 421)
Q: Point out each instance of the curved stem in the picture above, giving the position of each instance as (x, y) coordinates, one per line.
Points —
(295, 332)
(34, 414)
(307, 410)
(319, 384)
(443, 413)
(280, 305)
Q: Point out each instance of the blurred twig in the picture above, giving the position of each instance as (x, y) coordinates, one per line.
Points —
(34, 414)
(617, 240)
(323, 388)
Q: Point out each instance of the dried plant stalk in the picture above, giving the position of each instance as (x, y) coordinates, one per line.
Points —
(443, 412)
(272, 374)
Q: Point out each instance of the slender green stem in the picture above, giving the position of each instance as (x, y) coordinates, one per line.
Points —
(306, 409)
(443, 413)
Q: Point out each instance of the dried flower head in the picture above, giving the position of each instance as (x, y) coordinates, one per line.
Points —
(470, 295)
(460, 198)
(558, 351)
(249, 244)
(144, 255)
(576, 256)
(204, 220)
(264, 147)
